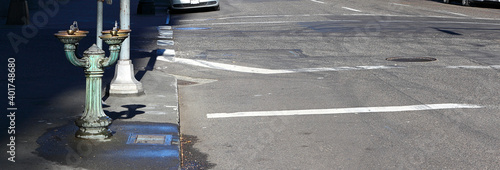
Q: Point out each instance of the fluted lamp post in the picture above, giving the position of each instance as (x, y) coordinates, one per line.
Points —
(93, 124)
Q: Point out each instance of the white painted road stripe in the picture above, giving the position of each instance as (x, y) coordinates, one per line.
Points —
(476, 67)
(244, 69)
(454, 13)
(164, 27)
(165, 52)
(351, 9)
(453, 22)
(345, 110)
(318, 1)
(164, 42)
(400, 4)
(166, 32)
(229, 67)
(441, 11)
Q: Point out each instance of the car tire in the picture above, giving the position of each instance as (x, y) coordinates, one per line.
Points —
(465, 2)
(446, 1)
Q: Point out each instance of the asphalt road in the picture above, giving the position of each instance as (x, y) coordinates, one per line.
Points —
(306, 84)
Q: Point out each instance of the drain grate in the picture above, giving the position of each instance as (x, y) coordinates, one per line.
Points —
(150, 139)
(411, 59)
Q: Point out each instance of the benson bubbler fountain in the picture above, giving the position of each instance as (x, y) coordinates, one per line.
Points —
(93, 124)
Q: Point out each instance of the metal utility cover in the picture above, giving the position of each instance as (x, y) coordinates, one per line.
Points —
(150, 139)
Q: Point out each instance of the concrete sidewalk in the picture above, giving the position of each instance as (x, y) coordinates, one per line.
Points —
(146, 133)
(51, 95)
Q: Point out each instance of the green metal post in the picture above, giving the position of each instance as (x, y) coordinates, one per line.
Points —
(93, 124)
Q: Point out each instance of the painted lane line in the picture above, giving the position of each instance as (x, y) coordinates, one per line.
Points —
(164, 27)
(164, 42)
(345, 110)
(165, 52)
(254, 70)
(167, 55)
(475, 67)
(453, 13)
(318, 1)
(440, 11)
(456, 22)
(166, 32)
(351, 9)
(437, 22)
(400, 4)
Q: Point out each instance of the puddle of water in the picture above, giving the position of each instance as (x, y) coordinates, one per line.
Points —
(191, 157)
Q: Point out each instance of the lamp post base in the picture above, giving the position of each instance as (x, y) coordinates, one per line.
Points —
(94, 129)
(124, 82)
(103, 133)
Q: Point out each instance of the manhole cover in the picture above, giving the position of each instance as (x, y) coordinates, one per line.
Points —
(411, 59)
(149, 139)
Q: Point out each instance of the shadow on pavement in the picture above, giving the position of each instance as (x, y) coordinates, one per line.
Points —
(130, 113)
